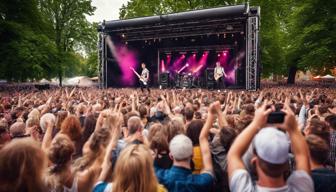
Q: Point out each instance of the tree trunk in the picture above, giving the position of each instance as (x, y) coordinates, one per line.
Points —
(291, 75)
(60, 77)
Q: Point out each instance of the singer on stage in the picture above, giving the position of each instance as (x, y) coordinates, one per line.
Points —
(219, 75)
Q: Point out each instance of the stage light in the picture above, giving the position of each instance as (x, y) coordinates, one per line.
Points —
(242, 33)
(126, 43)
(224, 53)
(218, 55)
(194, 54)
(224, 35)
(232, 35)
(123, 35)
(229, 27)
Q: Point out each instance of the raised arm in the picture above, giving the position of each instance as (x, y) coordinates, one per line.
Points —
(47, 138)
(243, 140)
(115, 123)
(203, 139)
(298, 143)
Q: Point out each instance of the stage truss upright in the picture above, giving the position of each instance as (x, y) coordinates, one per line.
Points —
(252, 56)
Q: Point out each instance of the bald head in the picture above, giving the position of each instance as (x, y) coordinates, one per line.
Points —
(134, 124)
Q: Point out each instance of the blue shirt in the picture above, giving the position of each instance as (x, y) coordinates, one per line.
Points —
(324, 180)
(179, 179)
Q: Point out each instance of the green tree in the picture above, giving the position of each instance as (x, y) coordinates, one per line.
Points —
(26, 51)
(313, 36)
(70, 27)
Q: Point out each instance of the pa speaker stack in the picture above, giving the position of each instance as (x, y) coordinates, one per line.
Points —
(164, 80)
(210, 79)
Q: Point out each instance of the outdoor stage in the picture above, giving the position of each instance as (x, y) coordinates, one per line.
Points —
(181, 49)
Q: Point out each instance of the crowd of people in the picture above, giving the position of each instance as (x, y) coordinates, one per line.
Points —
(88, 139)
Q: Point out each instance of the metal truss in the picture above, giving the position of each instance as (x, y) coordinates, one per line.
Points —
(252, 45)
(101, 60)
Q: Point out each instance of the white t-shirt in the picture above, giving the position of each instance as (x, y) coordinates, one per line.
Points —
(298, 181)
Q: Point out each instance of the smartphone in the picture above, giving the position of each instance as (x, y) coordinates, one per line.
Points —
(276, 117)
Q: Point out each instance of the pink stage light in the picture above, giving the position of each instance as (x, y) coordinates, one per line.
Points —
(163, 68)
(218, 55)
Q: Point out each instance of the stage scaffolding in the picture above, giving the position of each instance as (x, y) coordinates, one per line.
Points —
(206, 22)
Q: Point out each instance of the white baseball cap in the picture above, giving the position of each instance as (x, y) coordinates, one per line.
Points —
(181, 147)
(272, 145)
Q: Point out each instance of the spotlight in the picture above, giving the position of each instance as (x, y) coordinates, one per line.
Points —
(123, 35)
(218, 55)
(232, 35)
(194, 55)
(242, 33)
(126, 43)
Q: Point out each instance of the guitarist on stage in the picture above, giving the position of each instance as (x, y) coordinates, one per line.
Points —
(144, 77)
(219, 75)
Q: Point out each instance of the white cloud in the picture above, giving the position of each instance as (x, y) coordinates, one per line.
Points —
(106, 10)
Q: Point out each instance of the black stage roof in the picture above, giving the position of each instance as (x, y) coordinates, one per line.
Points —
(229, 19)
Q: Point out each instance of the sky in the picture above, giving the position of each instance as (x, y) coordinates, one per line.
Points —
(106, 9)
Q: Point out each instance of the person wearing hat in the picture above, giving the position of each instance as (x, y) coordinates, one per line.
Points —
(270, 159)
(179, 177)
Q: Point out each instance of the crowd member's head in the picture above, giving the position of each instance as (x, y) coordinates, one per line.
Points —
(318, 127)
(17, 130)
(331, 120)
(93, 149)
(271, 148)
(194, 130)
(71, 127)
(22, 164)
(89, 127)
(4, 134)
(134, 171)
(34, 114)
(181, 149)
(174, 127)
(61, 115)
(188, 114)
(134, 125)
(226, 137)
(60, 155)
(319, 150)
(143, 111)
(154, 128)
(48, 117)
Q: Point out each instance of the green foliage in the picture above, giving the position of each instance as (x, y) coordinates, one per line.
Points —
(313, 30)
(26, 52)
(43, 38)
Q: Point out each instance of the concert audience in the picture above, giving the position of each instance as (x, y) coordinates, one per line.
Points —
(86, 139)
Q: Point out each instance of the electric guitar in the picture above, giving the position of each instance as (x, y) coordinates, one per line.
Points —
(217, 76)
(143, 80)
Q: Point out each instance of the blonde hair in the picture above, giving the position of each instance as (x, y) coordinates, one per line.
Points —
(22, 163)
(134, 171)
